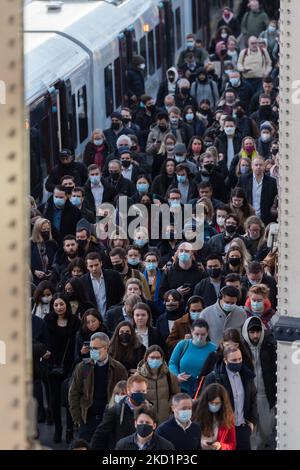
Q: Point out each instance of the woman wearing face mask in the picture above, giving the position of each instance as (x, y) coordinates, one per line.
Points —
(233, 50)
(118, 239)
(162, 384)
(222, 34)
(62, 327)
(239, 205)
(141, 240)
(119, 392)
(166, 177)
(126, 347)
(76, 295)
(91, 323)
(174, 309)
(41, 299)
(194, 125)
(242, 167)
(234, 262)
(153, 275)
(195, 149)
(255, 234)
(264, 142)
(189, 356)
(96, 150)
(259, 305)
(215, 415)
(143, 186)
(165, 151)
(219, 218)
(43, 249)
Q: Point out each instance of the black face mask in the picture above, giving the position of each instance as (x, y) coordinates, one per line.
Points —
(124, 338)
(231, 229)
(144, 430)
(203, 80)
(235, 262)
(240, 113)
(71, 296)
(118, 267)
(126, 120)
(68, 190)
(115, 126)
(114, 176)
(274, 152)
(171, 78)
(214, 273)
(205, 112)
(171, 236)
(82, 243)
(209, 167)
(185, 91)
(150, 108)
(162, 128)
(45, 235)
(126, 163)
(265, 111)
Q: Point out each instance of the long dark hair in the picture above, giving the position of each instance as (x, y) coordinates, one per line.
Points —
(95, 314)
(231, 334)
(53, 315)
(120, 352)
(165, 179)
(38, 292)
(189, 148)
(205, 418)
(239, 192)
(78, 289)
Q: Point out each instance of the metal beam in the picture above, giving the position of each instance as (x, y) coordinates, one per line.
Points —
(15, 361)
(288, 406)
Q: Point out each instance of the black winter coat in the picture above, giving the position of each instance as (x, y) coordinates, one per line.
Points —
(135, 82)
(76, 169)
(69, 218)
(157, 443)
(114, 287)
(109, 194)
(207, 291)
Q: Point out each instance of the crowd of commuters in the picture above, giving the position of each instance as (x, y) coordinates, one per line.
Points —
(145, 341)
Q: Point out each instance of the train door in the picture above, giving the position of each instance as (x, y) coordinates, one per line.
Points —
(127, 48)
(166, 35)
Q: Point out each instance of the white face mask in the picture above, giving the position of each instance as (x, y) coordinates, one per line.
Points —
(229, 131)
(221, 221)
(142, 66)
(98, 142)
(46, 299)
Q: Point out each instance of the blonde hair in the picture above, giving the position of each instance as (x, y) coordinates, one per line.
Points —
(36, 236)
(242, 247)
(259, 289)
(163, 147)
(118, 234)
(206, 202)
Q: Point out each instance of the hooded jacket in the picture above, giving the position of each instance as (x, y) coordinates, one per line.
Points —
(264, 360)
(166, 88)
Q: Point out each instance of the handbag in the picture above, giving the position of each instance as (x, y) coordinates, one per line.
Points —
(58, 370)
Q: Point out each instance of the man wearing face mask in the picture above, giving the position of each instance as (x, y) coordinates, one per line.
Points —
(62, 215)
(183, 97)
(255, 275)
(96, 150)
(180, 157)
(115, 130)
(130, 169)
(158, 132)
(145, 117)
(265, 112)
(117, 180)
(184, 274)
(135, 79)
(88, 244)
(97, 189)
(218, 243)
(205, 88)
(66, 166)
(262, 348)
(209, 288)
(224, 314)
(209, 174)
(268, 89)
(78, 200)
(127, 121)
(178, 128)
(92, 385)
(190, 46)
(119, 263)
(242, 89)
(229, 141)
(238, 380)
(118, 420)
(182, 327)
(180, 429)
(246, 125)
(145, 421)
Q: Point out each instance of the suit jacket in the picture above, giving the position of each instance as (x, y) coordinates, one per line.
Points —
(108, 194)
(268, 194)
(206, 290)
(69, 218)
(113, 285)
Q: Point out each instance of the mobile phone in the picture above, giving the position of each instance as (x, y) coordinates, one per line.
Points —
(186, 286)
(86, 344)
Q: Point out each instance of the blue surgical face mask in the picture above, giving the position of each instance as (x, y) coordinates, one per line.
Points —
(75, 200)
(234, 81)
(174, 203)
(154, 363)
(190, 44)
(133, 261)
(234, 366)
(118, 398)
(151, 266)
(142, 187)
(271, 29)
(179, 159)
(58, 202)
(195, 315)
(197, 341)
(95, 355)
(254, 283)
(181, 178)
(257, 306)
(189, 116)
(228, 307)
(141, 242)
(214, 408)
(95, 180)
(184, 415)
(244, 170)
(138, 397)
(98, 142)
(184, 257)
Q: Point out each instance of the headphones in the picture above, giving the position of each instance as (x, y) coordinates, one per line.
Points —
(233, 293)
(193, 300)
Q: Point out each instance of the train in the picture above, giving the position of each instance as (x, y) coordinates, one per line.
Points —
(75, 58)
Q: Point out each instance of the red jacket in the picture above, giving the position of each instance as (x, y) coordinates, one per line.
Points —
(227, 438)
(267, 314)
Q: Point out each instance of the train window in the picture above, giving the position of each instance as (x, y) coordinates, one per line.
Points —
(158, 46)
(82, 113)
(151, 52)
(118, 82)
(73, 122)
(143, 52)
(178, 28)
(109, 102)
